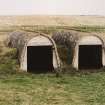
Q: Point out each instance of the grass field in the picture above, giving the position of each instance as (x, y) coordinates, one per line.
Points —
(46, 89)
(70, 88)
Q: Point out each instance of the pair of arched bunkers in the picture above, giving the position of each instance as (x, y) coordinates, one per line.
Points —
(38, 52)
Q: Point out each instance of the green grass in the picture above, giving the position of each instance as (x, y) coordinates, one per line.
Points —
(47, 89)
(70, 88)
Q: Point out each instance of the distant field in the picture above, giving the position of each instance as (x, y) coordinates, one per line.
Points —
(48, 24)
(52, 20)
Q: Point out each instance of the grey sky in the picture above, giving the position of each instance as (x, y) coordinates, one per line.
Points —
(51, 7)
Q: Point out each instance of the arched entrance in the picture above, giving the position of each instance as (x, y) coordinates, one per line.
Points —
(89, 53)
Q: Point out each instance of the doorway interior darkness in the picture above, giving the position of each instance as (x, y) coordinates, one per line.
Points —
(39, 59)
(90, 56)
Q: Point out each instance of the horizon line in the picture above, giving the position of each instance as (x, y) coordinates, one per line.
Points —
(49, 15)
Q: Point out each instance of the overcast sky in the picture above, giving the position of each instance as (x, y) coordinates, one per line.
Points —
(51, 7)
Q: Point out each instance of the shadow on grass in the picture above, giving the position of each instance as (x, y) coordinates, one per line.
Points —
(69, 70)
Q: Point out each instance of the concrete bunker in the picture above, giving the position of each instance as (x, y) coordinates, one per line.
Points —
(87, 49)
(37, 52)
(89, 53)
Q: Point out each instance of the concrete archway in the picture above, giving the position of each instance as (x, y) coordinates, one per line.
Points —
(40, 55)
(37, 52)
(89, 53)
